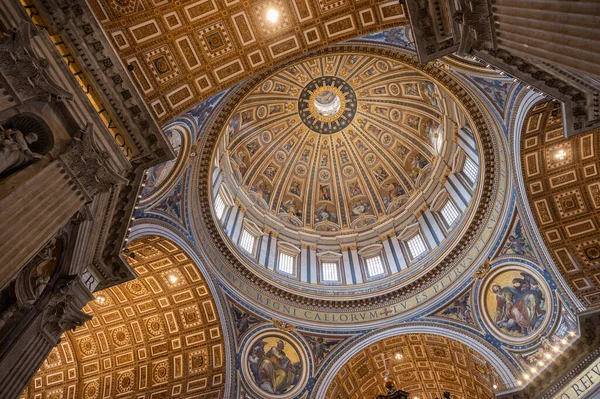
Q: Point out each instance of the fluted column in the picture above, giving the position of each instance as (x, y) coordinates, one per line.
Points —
(28, 344)
(554, 31)
(35, 210)
(33, 213)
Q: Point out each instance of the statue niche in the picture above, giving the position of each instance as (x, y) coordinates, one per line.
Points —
(23, 140)
(30, 283)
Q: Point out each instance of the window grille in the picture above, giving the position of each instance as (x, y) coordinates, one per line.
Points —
(247, 241)
(470, 170)
(416, 246)
(450, 213)
(219, 206)
(286, 263)
(330, 271)
(375, 266)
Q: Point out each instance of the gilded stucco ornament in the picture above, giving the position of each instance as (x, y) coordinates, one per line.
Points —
(380, 299)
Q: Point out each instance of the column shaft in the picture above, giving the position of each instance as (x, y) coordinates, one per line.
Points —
(32, 214)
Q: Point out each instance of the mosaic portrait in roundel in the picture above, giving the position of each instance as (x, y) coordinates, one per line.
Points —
(274, 364)
(517, 303)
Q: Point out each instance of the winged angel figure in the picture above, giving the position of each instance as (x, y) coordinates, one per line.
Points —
(321, 346)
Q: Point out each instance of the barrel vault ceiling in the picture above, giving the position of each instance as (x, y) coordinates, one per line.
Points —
(563, 188)
(424, 365)
(158, 336)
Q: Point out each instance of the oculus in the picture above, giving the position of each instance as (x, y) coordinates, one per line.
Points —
(327, 104)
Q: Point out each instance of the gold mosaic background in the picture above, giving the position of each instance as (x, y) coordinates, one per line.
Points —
(151, 338)
(565, 196)
(185, 51)
(430, 365)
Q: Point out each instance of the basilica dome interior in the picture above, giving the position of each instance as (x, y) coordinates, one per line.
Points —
(316, 199)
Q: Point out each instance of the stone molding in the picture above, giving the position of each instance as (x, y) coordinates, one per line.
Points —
(62, 313)
(26, 74)
(206, 224)
(86, 164)
(76, 23)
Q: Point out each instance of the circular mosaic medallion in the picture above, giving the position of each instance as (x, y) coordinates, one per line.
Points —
(517, 303)
(348, 170)
(327, 104)
(275, 363)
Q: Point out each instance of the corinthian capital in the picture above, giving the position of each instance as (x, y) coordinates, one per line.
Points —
(61, 313)
(25, 72)
(87, 164)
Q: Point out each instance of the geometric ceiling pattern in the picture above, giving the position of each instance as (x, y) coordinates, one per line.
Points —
(346, 170)
(185, 51)
(423, 365)
(563, 188)
(158, 336)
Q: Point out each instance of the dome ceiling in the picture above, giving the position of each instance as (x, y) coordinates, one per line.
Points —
(337, 142)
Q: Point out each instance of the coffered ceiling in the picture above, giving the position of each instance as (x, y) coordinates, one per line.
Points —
(563, 189)
(427, 366)
(158, 336)
(184, 51)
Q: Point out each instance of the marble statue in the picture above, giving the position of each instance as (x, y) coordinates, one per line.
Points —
(14, 149)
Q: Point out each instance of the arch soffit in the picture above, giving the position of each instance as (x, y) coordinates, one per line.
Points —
(145, 229)
(526, 102)
(494, 358)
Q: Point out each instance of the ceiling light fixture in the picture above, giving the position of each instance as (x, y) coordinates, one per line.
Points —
(272, 15)
(560, 154)
(398, 356)
(100, 299)
(173, 278)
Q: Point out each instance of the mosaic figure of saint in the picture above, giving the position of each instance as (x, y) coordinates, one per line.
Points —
(520, 307)
(276, 373)
(325, 193)
(305, 154)
(295, 188)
